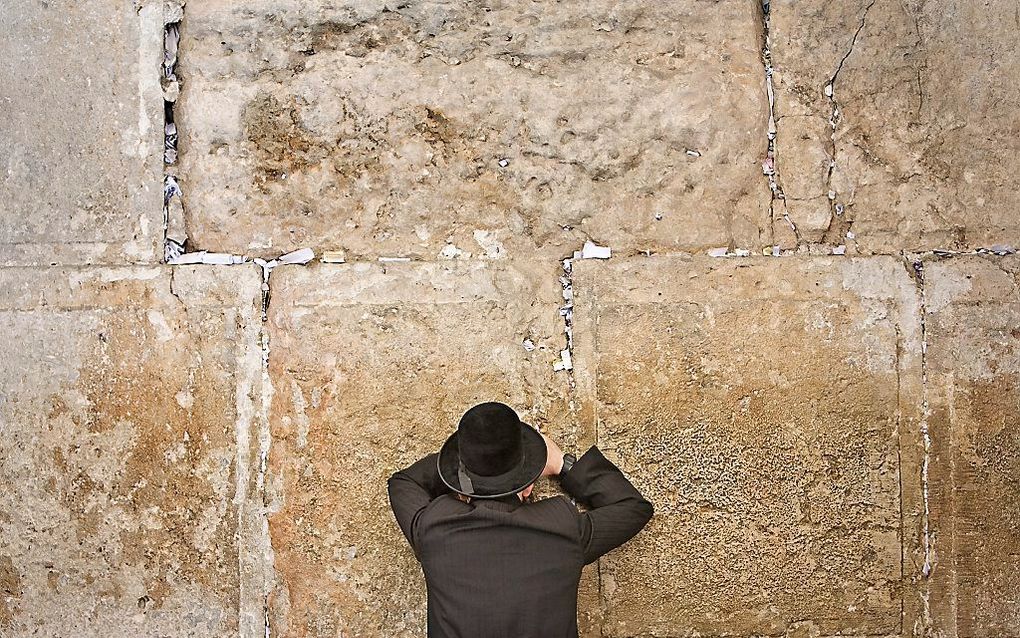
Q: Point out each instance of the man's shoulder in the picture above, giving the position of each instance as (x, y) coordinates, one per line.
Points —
(450, 503)
(560, 500)
(556, 515)
(559, 508)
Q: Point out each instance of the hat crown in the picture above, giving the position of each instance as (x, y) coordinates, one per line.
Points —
(490, 439)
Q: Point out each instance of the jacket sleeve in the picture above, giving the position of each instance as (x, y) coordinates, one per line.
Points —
(410, 490)
(617, 510)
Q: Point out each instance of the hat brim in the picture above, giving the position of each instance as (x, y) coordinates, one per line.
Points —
(528, 471)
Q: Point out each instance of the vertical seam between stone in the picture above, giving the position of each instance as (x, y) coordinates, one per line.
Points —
(918, 267)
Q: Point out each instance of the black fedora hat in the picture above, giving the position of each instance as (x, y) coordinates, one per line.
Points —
(493, 453)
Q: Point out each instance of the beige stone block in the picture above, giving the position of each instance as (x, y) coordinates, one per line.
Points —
(926, 133)
(768, 408)
(372, 366)
(81, 133)
(804, 163)
(129, 401)
(502, 129)
(973, 335)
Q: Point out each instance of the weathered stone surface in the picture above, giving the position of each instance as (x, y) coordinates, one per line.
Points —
(973, 334)
(81, 133)
(127, 401)
(399, 130)
(763, 405)
(926, 138)
(371, 367)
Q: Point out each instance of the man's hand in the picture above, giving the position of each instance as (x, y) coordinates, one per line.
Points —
(554, 457)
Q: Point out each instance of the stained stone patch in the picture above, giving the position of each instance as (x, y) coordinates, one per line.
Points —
(768, 409)
(430, 129)
(127, 405)
(81, 133)
(372, 366)
(924, 98)
(973, 334)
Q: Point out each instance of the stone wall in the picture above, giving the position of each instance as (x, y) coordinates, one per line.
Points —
(803, 347)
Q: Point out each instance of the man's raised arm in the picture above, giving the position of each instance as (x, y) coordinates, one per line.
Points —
(410, 490)
(618, 511)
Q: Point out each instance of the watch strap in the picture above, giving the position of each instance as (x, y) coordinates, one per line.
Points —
(568, 462)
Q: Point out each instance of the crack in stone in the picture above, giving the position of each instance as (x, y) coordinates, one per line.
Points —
(839, 225)
(173, 290)
(853, 42)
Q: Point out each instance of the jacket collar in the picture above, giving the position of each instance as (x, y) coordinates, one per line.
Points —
(505, 503)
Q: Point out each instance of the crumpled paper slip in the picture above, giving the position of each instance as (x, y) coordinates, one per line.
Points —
(564, 363)
(333, 257)
(187, 258)
(591, 250)
(300, 256)
(221, 258)
(171, 250)
(204, 257)
(1000, 249)
(173, 213)
(568, 292)
(170, 188)
(171, 39)
(724, 251)
(170, 143)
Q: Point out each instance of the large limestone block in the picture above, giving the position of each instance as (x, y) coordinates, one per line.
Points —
(973, 380)
(372, 366)
(925, 97)
(128, 401)
(498, 127)
(768, 408)
(81, 132)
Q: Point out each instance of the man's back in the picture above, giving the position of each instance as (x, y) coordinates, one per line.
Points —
(500, 568)
(493, 564)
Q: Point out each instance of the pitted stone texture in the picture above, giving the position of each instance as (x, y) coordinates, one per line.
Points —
(372, 366)
(124, 395)
(756, 403)
(81, 133)
(973, 334)
(484, 128)
(926, 139)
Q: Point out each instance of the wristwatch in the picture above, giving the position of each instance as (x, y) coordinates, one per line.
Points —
(568, 462)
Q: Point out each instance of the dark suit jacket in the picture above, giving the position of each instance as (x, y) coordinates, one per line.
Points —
(500, 568)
